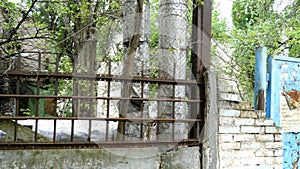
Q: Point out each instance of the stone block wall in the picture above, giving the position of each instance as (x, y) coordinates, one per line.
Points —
(246, 139)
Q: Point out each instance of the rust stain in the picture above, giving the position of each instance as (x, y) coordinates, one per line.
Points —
(50, 107)
(292, 98)
(295, 163)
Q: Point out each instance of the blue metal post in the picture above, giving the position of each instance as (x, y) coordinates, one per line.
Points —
(260, 78)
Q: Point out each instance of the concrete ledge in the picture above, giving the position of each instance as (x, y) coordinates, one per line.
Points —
(114, 158)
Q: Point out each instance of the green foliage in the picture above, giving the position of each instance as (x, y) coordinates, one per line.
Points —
(219, 32)
(256, 24)
(25, 111)
(246, 13)
(219, 26)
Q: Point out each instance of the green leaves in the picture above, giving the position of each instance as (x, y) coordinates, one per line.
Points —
(256, 25)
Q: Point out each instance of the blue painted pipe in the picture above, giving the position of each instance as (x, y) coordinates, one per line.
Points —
(260, 87)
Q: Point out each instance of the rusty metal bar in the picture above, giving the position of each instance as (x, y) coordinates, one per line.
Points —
(17, 99)
(42, 52)
(56, 83)
(200, 59)
(89, 131)
(195, 64)
(15, 130)
(37, 100)
(112, 144)
(54, 131)
(72, 130)
(75, 89)
(36, 129)
(104, 77)
(17, 92)
(102, 119)
(104, 98)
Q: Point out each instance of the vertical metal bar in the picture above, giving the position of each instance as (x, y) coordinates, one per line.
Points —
(39, 61)
(195, 63)
(200, 57)
(37, 100)
(18, 85)
(56, 83)
(72, 130)
(56, 92)
(75, 92)
(206, 13)
(173, 102)
(142, 106)
(108, 101)
(54, 131)
(158, 102)
(260, 86)
(18, 66)
(74, 101)
(90, 130)
(36, 129)
(15, 130)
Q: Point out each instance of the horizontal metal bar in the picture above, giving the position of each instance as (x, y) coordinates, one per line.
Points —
(101, 119)
(112, 144)
(104, 77)
(41, 52)
(99, 97)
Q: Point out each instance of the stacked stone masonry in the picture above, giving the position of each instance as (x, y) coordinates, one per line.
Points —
(247, 139)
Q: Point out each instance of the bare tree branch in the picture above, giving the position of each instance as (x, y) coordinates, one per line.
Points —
(24, 17)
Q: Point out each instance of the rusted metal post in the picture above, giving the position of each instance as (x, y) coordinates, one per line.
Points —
(200, 59)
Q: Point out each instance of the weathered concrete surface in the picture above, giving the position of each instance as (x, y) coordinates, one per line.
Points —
(186, 158)
(115, 158)
(210, 132)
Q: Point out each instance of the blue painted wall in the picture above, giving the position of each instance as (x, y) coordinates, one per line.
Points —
(284, 73)
(291, 147)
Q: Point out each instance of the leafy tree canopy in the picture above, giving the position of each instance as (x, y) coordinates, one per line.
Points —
(257, 24)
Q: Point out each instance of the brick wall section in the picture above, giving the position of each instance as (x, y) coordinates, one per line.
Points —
(246, 138)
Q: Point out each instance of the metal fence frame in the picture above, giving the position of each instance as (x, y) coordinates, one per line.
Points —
(109, 78)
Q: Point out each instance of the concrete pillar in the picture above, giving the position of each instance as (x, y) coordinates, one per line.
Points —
(210, 131)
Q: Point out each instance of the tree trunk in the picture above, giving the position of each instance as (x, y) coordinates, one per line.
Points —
(136, 42)
(85, 64)
(172, 53)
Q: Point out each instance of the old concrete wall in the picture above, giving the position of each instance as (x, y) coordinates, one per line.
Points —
(246, 139)
(113, 158)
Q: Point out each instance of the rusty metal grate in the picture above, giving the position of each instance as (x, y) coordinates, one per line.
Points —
(22, 127)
